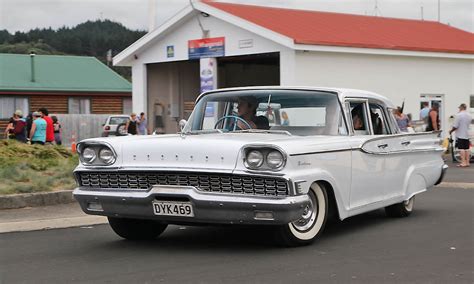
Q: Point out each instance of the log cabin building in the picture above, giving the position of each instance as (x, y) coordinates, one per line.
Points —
(62, 84)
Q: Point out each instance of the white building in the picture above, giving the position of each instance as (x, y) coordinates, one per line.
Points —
(405, 60)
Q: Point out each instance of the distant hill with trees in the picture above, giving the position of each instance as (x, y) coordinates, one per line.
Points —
(92, 38)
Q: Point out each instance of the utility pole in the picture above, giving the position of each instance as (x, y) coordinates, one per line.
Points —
(422, 18)
(439, 11)
(376, 9)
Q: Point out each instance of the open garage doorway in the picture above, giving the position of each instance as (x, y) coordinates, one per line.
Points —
(249, 70)
(172, 87)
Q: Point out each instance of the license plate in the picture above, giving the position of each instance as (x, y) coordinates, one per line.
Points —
(169, 208)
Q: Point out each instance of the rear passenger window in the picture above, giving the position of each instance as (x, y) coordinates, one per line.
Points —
(378, 119)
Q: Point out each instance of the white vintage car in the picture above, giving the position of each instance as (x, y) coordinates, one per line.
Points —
(281, 157)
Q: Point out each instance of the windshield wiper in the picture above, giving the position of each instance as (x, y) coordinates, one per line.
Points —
(284, 132)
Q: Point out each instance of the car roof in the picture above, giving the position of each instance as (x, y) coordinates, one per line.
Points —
(342, 92)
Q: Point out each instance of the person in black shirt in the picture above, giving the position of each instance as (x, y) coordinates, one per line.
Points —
(131, 124)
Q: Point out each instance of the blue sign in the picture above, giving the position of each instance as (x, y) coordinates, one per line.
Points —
(170, 51)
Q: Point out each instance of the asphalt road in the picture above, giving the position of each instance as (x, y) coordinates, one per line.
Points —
(434, 244)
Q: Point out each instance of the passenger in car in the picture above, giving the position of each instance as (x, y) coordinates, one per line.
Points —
(357, 117)
(247, 110)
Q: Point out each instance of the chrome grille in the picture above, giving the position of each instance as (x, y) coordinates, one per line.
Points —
(225, 183)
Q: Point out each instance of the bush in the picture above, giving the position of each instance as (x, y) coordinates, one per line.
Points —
(33, 168)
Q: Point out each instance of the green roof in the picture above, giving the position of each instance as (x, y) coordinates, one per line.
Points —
(59, 73)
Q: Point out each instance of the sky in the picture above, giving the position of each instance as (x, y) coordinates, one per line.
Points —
(23, 15)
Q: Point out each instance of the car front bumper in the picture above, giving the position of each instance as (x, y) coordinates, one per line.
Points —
(212, 208)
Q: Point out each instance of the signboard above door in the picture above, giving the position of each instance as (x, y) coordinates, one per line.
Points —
(206, 47)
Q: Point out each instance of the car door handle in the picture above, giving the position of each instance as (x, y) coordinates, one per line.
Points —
(382, 146)
(405, 143)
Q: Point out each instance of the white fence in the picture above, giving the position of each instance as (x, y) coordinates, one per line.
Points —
(80, 126)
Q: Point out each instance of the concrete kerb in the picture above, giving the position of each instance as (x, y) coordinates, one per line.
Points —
(15, 201)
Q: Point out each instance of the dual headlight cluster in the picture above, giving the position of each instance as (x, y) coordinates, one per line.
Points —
(96, 154)
(264, 159)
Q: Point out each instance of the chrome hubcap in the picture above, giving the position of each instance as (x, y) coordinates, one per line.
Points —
(309, 215)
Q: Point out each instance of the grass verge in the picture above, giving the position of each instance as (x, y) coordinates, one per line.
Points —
(35, 168)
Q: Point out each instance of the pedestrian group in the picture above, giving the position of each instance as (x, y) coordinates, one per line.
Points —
(37, 128)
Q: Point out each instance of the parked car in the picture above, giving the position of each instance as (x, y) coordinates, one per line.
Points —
(455, 154)
(239, 160)
(115, 125)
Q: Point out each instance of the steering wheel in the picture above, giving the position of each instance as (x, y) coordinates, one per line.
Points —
(236, 118)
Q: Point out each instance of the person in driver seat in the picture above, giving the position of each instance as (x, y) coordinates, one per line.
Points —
(247, 110)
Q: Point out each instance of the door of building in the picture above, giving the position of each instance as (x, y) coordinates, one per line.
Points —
(431, 99)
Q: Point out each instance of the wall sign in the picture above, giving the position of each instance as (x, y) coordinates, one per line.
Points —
(170, 51)
(206, 47)
(245, 43)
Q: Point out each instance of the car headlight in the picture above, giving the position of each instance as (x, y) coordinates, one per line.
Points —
(106, 155)
(254, 159)
(88, 155)
(96, 154)
(275, 159)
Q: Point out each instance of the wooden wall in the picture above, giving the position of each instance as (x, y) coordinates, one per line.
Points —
(54, 104)
(104, 105)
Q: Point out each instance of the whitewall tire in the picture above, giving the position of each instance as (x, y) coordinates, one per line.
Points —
(402, 209)
(311, 224)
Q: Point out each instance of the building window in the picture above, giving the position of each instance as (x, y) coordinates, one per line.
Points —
(127, 105)
(8, 105)
(79, 106)
(471, 104)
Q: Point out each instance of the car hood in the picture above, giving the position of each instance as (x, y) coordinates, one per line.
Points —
(209, 152)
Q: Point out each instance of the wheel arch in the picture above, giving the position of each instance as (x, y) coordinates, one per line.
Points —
(333, 207)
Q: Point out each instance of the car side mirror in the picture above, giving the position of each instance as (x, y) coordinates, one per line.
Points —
(182, 124)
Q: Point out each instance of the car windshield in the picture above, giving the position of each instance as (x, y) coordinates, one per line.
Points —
(117, 120)
(298, 112)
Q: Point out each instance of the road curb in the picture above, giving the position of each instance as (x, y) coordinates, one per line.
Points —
(15, 201)
(48, 224)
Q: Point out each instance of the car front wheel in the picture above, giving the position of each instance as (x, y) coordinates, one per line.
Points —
(402, 209)
(136, 229)
(311, 224)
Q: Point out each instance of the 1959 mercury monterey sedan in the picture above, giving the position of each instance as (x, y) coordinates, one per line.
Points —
(281, 157)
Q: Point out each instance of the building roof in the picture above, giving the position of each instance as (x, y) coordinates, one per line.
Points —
(336, 29)
(59, 73)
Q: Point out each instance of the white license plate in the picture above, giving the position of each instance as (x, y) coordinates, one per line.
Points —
(170, 208)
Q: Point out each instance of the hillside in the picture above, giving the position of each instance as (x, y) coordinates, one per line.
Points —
(92, 38)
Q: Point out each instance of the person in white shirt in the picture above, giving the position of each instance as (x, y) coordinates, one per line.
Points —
(425, 111)
(461, 126)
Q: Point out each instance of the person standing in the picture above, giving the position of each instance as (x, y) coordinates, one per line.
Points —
(38, 129)
(402, 120)
(49, 125)
(131, 125)
(142, 124)
(433, 118)
(57, 130)
(461, 127)
(424, 112)
(19, 126)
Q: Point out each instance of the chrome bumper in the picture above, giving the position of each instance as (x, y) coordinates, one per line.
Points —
(444, 168)
(208, 207)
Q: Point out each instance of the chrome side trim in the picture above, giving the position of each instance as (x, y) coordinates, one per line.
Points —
(369, 152)
(322, 152)
(401, 151)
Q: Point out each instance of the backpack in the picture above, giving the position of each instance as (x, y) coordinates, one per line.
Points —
(19, 127)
